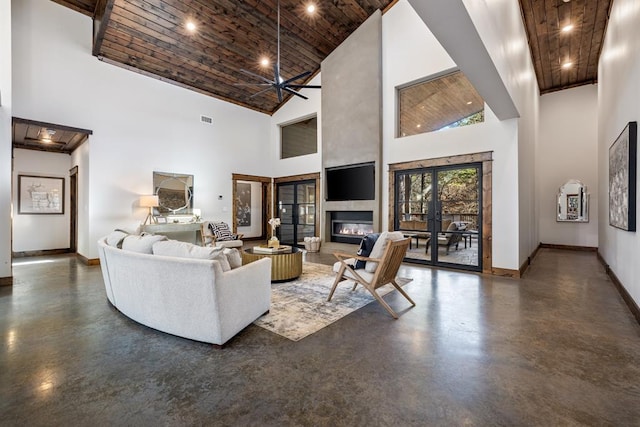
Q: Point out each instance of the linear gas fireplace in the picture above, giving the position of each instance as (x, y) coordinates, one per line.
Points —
(350, 226)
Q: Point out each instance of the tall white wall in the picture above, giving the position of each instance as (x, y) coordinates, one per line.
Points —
(33, 231)
(618, 93)
(405, 62)
(5, 138)
(139, 124)
(568, 149)
(500, 26)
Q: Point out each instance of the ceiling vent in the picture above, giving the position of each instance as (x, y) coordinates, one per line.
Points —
(206, 120)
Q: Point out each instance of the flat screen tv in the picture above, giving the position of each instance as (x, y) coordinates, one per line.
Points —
(354, 182)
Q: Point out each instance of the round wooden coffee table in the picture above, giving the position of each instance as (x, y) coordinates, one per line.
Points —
(284, 266)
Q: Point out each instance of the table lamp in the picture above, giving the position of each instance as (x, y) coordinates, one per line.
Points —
(149, 202)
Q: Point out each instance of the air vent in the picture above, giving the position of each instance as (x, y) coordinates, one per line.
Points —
(207, 120)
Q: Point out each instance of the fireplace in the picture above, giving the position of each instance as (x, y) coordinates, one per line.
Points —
(350, 226)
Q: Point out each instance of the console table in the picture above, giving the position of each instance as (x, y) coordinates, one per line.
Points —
(186, 232)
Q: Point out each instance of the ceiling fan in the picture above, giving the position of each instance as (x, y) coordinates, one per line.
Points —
(278, 83)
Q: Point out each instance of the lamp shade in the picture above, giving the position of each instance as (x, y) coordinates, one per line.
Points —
(149, 201)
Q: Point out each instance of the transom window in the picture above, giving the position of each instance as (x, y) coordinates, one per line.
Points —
(441, 103)
(299, 138)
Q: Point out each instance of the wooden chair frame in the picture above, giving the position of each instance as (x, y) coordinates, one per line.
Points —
(385, 273)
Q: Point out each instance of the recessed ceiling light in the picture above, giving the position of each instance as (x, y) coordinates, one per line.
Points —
(567, 64)
(469, 102)
(265, 62)
(311, 8)
(190, 26)
(418, 126)
(567, 28)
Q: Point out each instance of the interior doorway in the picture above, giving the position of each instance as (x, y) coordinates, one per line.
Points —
(444, 206)
(439, 209)
(297, 207)
(247, 221)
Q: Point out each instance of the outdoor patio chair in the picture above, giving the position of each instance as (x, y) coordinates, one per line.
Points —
(378, 271)
(449, 239)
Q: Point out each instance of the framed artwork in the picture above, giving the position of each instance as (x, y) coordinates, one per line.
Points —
(622, 179)
(573, 206)
(40, 195)
(243, 204)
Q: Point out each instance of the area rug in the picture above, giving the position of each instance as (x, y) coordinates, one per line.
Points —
(299, 308)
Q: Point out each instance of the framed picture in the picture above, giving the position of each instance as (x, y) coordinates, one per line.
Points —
(573, 206)
(243, 204)
(622, 179)
(40, 195)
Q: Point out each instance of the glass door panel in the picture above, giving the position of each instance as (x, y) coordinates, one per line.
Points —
(439, 209)
(297, 212)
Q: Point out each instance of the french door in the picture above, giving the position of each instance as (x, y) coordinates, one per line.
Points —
(440, 210)
(297, 211)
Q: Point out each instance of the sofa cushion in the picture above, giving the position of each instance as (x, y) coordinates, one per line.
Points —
(380, 246)
(142, 243)
(179, 249)
(366, 246)
(116, 238)
(233, 256)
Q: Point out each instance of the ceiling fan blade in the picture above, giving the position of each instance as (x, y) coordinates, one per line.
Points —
(294, 92)
(252, 84)
(260, 93)
(299, 76)
(256, 75)
(305, 86)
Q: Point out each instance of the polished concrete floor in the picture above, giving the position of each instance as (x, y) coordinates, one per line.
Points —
(558, 347)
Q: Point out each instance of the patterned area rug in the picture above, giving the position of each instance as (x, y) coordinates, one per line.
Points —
(299, 308)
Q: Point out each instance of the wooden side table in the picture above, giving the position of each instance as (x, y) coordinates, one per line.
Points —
(285, 266)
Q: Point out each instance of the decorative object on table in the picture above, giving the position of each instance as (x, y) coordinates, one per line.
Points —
(40, 195)
(282, 249)
(299, 308)
(622, 179)
(273, 241)
(197, 215)
(312, 244)
(150, 201)
(243, 204)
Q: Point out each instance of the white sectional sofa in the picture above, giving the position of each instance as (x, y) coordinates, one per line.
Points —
(191, 298)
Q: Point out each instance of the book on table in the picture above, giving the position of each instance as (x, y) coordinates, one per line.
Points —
(282, 249)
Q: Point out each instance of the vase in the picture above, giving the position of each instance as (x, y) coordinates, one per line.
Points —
(273, 242)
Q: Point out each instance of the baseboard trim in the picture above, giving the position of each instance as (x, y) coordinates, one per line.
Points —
(525, 265)
(88, 261)
(569, 247)
(505, 272)
(633, 306)
(43, 252)
(6, 281)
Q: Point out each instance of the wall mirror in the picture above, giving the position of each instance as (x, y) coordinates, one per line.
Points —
(573, 202)
(175, 193)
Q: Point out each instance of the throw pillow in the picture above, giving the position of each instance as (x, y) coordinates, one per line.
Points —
(178, 249)
(380, 246)
(221, 231)
(366, 245)
(116, 237)
(234, 257)
(142, 243)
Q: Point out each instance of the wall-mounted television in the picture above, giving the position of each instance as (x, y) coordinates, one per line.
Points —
(353, 182)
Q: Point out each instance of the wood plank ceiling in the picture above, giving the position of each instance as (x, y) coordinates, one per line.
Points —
(32, 135)
(565, 38)
(150, 36)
